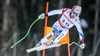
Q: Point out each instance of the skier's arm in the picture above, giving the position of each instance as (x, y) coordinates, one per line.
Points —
(59, 11)
(80, 32)
(81, 35)
(53, 12)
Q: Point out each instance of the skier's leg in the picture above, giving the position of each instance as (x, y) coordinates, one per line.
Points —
(47, 37)
(44, 39)
(53, 33)
(60, 36)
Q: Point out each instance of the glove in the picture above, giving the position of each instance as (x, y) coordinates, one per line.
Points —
(82, 46)
(42, 16)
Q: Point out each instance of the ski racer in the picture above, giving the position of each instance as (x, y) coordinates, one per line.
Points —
(69, 18)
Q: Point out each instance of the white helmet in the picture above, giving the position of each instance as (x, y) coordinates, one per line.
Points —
(76, 9)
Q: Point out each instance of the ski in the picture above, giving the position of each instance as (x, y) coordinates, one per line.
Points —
(49, 46)
(42, 47)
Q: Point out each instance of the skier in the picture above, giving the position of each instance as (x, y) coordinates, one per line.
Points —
(69, 18)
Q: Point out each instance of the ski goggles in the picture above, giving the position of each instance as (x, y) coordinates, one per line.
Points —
(75, 13)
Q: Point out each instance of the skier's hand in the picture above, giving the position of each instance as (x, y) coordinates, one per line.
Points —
(41, 16)
(82, 46)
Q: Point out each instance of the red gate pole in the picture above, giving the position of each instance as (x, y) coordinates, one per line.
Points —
(45, 29)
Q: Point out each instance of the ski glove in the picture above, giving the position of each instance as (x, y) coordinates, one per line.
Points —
(42, 16)
(82, 46)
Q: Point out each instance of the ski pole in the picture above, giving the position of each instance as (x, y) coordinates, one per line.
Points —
(74, 43)
(77, 45)
(26, 33)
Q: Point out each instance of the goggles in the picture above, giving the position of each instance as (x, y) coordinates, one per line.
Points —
(76, 14)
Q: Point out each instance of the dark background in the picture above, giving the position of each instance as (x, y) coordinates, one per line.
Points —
(17, 15)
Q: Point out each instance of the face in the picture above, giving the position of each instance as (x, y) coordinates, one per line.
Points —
(74, 14)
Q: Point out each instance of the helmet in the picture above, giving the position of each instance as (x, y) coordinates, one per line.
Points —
(76, 10)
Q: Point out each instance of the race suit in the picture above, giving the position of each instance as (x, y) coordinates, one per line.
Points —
(61, 26)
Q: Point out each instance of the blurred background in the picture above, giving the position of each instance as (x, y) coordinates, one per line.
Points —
(17, 15)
